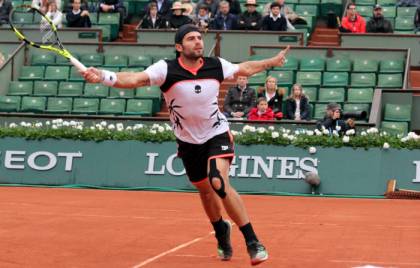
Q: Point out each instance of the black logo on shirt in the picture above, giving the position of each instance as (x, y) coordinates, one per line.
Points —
(197, 89)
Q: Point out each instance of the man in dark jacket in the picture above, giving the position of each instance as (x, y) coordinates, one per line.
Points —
(333, 120)
(378, 24)
(152, 20)
(113, 6)
(224, 19)
(78, 17)
(239, 99)
(178, 19)
(417, 20)
(275, 21)
(250, 19)
(5, 9)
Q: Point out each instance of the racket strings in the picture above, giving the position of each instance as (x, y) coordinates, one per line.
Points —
(48, 36)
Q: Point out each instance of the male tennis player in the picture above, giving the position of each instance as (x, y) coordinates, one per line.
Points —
(190, 84)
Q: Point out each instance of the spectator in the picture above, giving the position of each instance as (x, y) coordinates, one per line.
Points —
(408, 3)
(275, 21)
(297, 105)
(113, 6)
(285, 10)
(274, 95)
(164, 8)
(353, 22)
(190, 8)
(5, 9)
(54, 14)
(378, 24)
(262, 111)
(250, 19)
(234, 7)
(333, 120)
(84, 5)
(78, 17)
(178, 19)
(239, 99)
(42, 5)
(417, 20)
(224, 20)
(213, 6)
(202, 19)
(152, 20)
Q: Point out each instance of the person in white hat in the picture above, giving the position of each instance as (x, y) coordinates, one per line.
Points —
(178, 18)
(250, 19)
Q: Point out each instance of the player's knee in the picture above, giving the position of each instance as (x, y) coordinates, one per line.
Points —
(216, 180)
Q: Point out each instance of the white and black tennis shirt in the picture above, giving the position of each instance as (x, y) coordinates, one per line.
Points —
(192, 96)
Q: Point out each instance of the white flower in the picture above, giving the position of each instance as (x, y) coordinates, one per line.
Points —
(372, 130)
(317, 132)
(350, 132)
(152, 131)
(129, 128)
(363, 133)
(248, 128)
(79, 127)
(412, 136)
(111, 127)
(54, 126)
(47, 123)
(66, 124)
(23, 124)
(99, 127)
(168, 127)
(261, 130)
(335, 133)
(338, 128)
(275, 134)
(297, 132)
(312, 150)
(386, 146)
(346, 139)
(288, 131)
(405, 139)
(155, 126)
(161, 129)
(325, 132)
(38, 125)
(283, 130)
(309, 133)
(285, 135)
(271, 128)
(58, 121)
(291, 137)
(234, 133)
(73, 123)
(92, 128)
(120, 126)
(103, 123)
(137, 126)
(12, 125)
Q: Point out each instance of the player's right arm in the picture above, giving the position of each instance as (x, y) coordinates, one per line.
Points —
(123, 79)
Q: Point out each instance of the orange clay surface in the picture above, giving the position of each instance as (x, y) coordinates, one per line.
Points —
(46, 227)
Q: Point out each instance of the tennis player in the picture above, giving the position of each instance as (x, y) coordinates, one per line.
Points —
(190, 84)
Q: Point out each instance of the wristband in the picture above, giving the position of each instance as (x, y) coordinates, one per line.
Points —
(108, 78)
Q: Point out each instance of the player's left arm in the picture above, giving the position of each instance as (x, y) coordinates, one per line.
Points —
(249, 68)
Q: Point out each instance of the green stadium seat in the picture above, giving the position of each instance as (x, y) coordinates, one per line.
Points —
(59, 105)
(93, 16)
(284, 78)
(365, 66)
(311, 93)
(328, 6)
(331, 95)
(308, 78)
(320, 109)
(57, 73)
(139, 107)
(396, 128)
(365, 11)
(96, 90)
(365, 2)
(9, 103)
(23, 18)
(397, 112)
(386, 3)
(45, 88)
(153, 93)
(85, 106)
(163, 56)
(33, 104)
(112, 19)
(390, 80)
(139, 61)
(112, 106)
(309, 2)
(312, 64)
(106, 32)
(291, 63)
(16, 2)
(404, 24)
(75, 75)
(43, 58)
(257, 79)
(406, 12)
(356, 107)
(121, 93)
(335, 79)
(363, 80)
(338, 65)
(94, 59)
(70, 89)
(59, 60)
(389, 11)
(116, 61)
(37, 18)
(360, 95)
(31, 73)
(307, 10)
(20, 88)
(391, 66)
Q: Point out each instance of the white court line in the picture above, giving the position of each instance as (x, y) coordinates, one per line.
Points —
(415, 264)
(172, 250)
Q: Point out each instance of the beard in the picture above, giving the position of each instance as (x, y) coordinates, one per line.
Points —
(194, 54)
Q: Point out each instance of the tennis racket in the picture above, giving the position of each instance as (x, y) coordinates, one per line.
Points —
(47, 38)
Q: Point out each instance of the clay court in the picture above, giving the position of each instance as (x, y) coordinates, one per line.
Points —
(55, 227)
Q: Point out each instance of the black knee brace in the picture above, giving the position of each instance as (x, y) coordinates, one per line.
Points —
(215, 174)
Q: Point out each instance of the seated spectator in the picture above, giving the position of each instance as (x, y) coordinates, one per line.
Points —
(417, 20)
(202, 19)
(239, 99)
(408, 3)
(84, 5)
(42, 5)
(113, 6)
(224, 20)
(78, 17)
(54, 14)
(297, 105)
(286, 11)
(163, 6)
(213, 6)
(250, 19)
(333, 120)
(177, 19)
(275, 21)
(234, 7)
(5, 9)
(352, 22)
(189, 7)
(274, 96)
(378, 24)
(152, 20)
(262, 111)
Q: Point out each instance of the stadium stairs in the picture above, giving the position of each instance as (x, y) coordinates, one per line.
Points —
(323, 36)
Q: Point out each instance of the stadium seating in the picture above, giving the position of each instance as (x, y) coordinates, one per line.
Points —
(59, 105)
(85, 106)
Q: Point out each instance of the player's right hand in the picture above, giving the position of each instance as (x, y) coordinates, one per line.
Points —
(92, 75)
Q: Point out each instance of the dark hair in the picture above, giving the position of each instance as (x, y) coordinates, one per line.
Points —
(275, 4)
(351, 4)
(260, 99)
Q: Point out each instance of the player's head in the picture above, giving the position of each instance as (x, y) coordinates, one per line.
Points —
(188, 42)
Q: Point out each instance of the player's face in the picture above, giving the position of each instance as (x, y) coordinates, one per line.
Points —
(192, 46)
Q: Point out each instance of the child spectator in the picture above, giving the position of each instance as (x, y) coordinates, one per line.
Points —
(262, 111)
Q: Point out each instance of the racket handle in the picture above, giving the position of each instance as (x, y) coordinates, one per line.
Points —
(78, 64)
